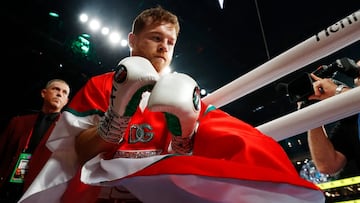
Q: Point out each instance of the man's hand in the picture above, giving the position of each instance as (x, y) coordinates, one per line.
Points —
(323, 88)
(178, 96)
(134, 75)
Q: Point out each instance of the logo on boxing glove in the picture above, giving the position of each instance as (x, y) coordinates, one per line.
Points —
(196, 98)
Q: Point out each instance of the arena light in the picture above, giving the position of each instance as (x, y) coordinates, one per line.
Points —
(94, 24)
(221, 2)
(203, 92)
(166, 70)
(114, 37)
(53, 14)
(83, 18)
(123, 42)
(105, 30)
(81, 45)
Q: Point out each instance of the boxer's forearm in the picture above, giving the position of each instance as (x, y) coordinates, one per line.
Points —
(88, 144)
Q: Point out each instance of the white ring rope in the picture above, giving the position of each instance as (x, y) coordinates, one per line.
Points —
(315, 115)
(330, 40)
(333, 38)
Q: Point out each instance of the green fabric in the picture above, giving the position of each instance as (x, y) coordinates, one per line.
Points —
(135, 100)
(173, 123)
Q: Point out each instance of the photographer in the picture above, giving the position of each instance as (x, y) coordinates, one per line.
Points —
(336, 152)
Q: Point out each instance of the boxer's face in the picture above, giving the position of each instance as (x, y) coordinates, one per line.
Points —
(156, 42)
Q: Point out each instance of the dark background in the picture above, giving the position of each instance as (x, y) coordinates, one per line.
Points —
(215, 46)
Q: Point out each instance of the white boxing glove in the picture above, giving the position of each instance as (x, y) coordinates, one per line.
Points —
(134, 75)
(178, 96)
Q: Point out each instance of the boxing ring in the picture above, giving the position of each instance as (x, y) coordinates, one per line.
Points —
(193, 179)
(333, 38)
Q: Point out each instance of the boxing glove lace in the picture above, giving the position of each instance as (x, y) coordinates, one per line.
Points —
(134, 75)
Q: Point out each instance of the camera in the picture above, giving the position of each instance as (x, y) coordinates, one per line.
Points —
(344, 65)
(342, 71)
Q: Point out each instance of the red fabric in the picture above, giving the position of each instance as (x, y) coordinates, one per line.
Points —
(224, 146)
(85, 102)
(94, 95)
(82, 193)
(38, 159)
(13, 141)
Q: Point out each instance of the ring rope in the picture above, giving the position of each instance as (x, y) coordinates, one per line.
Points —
(333, 38)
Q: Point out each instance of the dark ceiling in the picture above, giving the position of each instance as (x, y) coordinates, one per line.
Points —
(215, 45)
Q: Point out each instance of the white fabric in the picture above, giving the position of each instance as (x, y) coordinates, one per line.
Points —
(62, 165)
(98, 171)
(190, 188)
